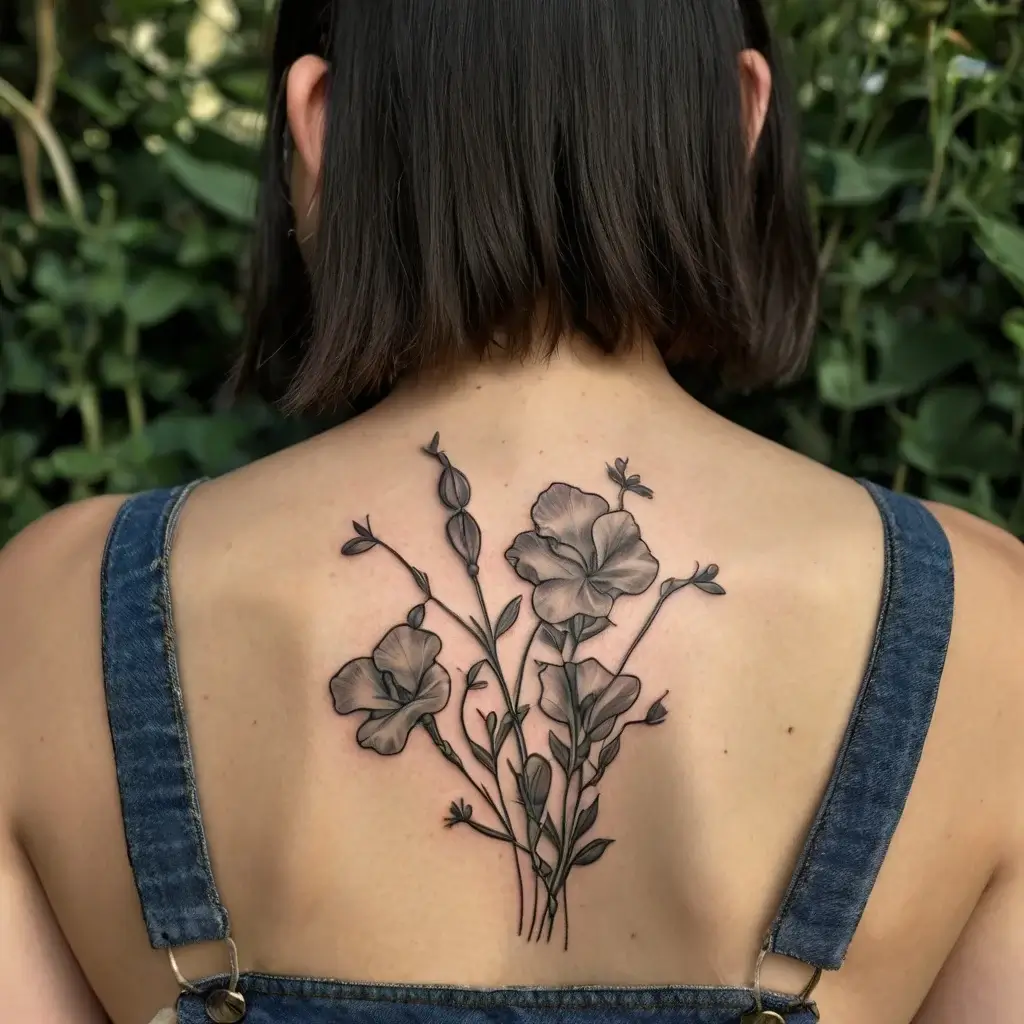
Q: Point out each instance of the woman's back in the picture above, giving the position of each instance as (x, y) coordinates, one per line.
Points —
(333, 860)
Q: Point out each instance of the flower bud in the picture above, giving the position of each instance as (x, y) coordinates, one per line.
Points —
(464, 537)
(453, 488)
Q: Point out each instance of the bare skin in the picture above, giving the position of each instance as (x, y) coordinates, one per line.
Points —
(331, 859)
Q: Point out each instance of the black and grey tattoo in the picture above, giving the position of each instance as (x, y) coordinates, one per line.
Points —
(580, 557)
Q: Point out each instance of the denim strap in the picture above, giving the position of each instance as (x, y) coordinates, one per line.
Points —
(882, 747)
(155, 775)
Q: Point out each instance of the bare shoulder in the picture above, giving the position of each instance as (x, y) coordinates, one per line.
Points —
(49, 610)
(985, 666)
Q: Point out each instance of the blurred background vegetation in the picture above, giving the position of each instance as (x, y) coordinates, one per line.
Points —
(129, 135)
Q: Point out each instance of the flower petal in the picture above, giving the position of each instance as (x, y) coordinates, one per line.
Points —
(566, 514)
(558, 601)
(388, 735)
(615, 695)
(359, 687)
(625, 564)
(435, 689)
(407, 653)
(555, 693)
(533, 558)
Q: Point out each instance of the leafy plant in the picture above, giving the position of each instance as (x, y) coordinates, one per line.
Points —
(128, 134)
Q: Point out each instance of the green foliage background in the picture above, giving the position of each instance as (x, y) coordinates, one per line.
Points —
(121, 236)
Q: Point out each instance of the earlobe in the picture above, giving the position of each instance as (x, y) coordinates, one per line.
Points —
(756, 89)
(306, 104)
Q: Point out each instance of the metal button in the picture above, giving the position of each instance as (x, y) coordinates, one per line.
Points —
(224, 1007)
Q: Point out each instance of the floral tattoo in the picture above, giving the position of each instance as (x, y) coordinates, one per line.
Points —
(581, 557)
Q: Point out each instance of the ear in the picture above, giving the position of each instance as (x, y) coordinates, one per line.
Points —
(756, 89)
(306, 104)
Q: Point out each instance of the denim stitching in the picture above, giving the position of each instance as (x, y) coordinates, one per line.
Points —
(807, 856)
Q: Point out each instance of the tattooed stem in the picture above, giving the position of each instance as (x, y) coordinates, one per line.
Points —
(505, 817)
(522, 664)
(494, 834)
(647, 625)
(430, 725)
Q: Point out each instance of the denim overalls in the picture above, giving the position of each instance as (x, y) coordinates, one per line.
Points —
(815, 923)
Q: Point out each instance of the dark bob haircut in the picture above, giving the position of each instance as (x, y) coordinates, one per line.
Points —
(487, 158)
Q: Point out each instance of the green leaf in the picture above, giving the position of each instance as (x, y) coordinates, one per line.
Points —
(1013, 328)
(228, 190)
(22, 369)
(157, 297)
(871, 266)
(849, 179)
(1003, 244)
(79, 464)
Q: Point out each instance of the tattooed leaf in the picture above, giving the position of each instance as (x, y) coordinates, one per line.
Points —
(421, 579)
(642, 490)
(363, 531)
(415, 616)
(358, 545)
(535, 784)
(709, 574)
(609, 752)
(592, 852)
(583, 752)
(492, 723)
(620, 465)
(593, 626)
(485, 757)
(710, 588)
(549, 830)
(586, 821)
(508, 616)
(633, 480)
(544, 868)
(522, 713)
(471, 676)
(559, 751)
(478, 630)
(656, 713)
(431, 449)
(552, 637)
(614, 475)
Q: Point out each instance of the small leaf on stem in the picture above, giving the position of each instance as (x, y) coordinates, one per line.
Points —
(641, 490)
(549, 830)
(435, 441)
(710, 588)
(552, 637)
(656, 713)
(483, 755)
(357, 546)
(473, 673)
(422, 581)
(507, 618)
(585, 822)
(415, 616)
(609, 752)
(362, 530)
(592, 852)
(559, 751)
(492, 723)
(620, 465)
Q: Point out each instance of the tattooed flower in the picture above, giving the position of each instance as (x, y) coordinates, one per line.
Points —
(400, 684)
(587, 691)
(581, 556)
